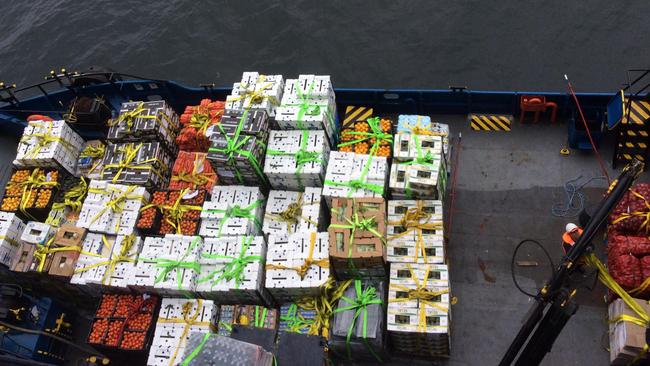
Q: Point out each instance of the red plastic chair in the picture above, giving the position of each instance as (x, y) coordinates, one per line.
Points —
(536, 104)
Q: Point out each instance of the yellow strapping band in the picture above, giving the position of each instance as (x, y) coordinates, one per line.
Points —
(412, 220)
(309, 261)
(323, 305)
(422, 295)
(643, 318)
(130, 152)
(188, 321)
(130, 116)
(646, 214)
(174, 213)
(195, 178)
(36, 179)
(292, 214)
(121, 257)
(256, 96)
(9, 240)
(44, 138)
(43, 250)
(117, 203)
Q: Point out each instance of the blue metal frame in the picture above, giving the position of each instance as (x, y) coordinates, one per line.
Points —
(384, 101)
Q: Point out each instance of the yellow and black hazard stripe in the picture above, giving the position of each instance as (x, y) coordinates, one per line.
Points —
(356, 114)
(638, 112)
(636, 133)
(629, 157)
(490, 122)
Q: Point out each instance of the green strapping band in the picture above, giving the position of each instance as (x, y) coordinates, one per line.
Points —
(234, 145)
(357, 184)
(169, 265)
(237, 211)
(302, 156)
(306, 107)
(376, 133)
(226, 325)
(259, 321)
(235, 268)
(426, 159)
(197, 350)
(363, 298)
(354, 223)
(296, 323)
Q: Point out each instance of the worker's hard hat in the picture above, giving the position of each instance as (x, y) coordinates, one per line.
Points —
(570, 227)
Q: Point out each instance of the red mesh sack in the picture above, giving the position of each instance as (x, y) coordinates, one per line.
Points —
(625, 269)
(197, 121)
(631, 215)
(192, 170)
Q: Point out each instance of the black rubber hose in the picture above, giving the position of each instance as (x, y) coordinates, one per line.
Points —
(512, 263)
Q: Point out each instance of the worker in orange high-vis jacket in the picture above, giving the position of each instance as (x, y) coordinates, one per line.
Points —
(570, 236)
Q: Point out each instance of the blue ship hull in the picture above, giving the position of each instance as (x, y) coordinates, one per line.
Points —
(404, 101)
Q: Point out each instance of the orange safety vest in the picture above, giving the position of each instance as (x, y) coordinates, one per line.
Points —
(566, 237)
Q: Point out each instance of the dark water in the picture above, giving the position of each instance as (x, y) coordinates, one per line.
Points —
(508, 44)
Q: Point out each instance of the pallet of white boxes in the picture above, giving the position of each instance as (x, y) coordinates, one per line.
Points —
(296, 159)
(112, 208)
(145, 121)
(289, 212)
(232, 270)
(238, 147)
(297, 264)
(256, 91)
(354, 175)
(308, 103)
(415, 232)
(168, 265)
(11, 230)
(106, 261)
(419, 325)
(49, 144)
(232, 210)
(419, 168)
(178, 318)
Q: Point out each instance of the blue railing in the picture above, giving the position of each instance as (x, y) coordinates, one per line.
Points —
(384, 101)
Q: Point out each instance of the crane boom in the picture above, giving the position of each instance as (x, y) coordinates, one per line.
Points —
(554, 303)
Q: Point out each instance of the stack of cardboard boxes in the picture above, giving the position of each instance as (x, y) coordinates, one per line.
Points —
(232, 270)
(177, 319)
(296, 159)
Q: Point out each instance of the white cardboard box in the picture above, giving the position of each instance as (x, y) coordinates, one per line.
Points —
(402, 243)
(407, 146)
(404, 314)
(172, 331)
(308, 103)
(112, 208)
(308, 219)
(155, 252)
(86, 268)
(256, 91)
(289, 252)
(11, 230)
(344, 167)
(219, 280)
(215, 221)
(48, 144)
(37, 233)
(282, 166)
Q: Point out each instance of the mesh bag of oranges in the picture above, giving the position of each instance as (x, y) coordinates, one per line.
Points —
(372, 136)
